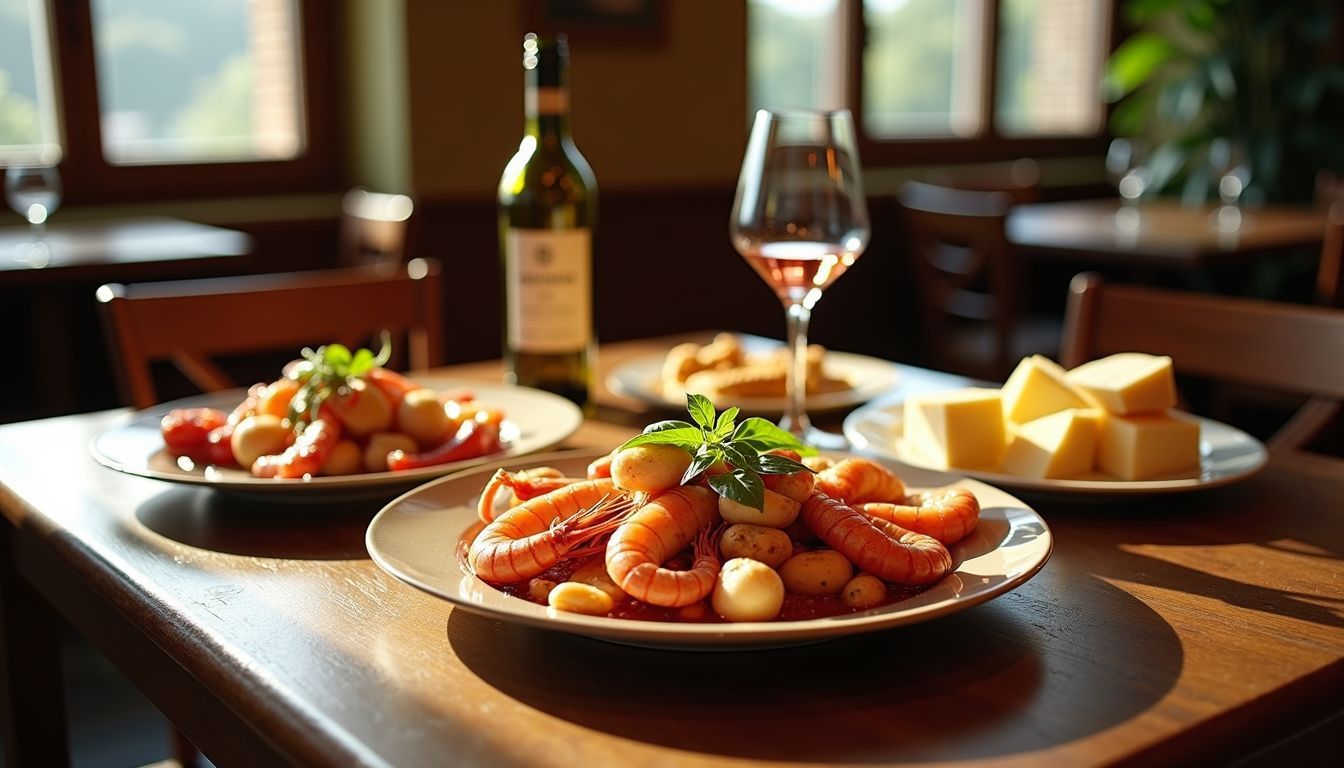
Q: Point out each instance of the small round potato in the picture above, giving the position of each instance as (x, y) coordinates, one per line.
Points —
(768, 545)
(574, 597)
(649, 468)
(864, 591)
(346, 458)
(275, 397)
(779, 510)
(363, 408)
(259, 435)
(383, 443)
(819, 572)
(422, 416)
(747, 590)
(797, 486)
(594, 574)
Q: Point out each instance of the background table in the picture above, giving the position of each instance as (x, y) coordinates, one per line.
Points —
(1168, 630)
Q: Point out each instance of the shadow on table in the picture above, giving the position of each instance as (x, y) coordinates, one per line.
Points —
(207, 519)
(1026, 672)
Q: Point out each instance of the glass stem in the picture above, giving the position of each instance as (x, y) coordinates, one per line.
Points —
(797, 316)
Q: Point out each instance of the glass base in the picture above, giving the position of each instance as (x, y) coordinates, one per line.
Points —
(817, 438)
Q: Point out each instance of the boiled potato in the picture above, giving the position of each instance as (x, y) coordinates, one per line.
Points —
(819, 572)
(778, 511)
(383, 443)
(747, 590)
(275, 397)
(864, 591)
(363, 408)
(574, 597)
(768, 545)
(346, 458)
(259, 435)
(422, 416)
(649, 468)
(594, 574)
(797, 486)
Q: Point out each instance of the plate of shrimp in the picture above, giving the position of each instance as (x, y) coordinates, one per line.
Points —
(563, 542)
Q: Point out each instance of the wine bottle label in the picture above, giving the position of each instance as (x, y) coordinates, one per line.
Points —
(548, 292)
(546, 101)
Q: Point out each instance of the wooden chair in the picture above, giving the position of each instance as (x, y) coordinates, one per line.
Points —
(1020, 179)
(969, 283)
(1289, 348)
(189, 322)
(374, 227)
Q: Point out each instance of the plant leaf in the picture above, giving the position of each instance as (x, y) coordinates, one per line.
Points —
(762, 436)
(704, 459)
(1135, 62)
(701, 410)
(727, 421)
(687, 439)
(774, 464)
(740, 486)
(741, 456)
(336, 355)
(663, 426)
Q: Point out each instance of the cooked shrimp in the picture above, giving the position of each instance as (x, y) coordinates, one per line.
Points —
(535, 535)
(856, 481)
(883, 549)
(524, 485)
(948, 515)
(601, 466)
(653, 534)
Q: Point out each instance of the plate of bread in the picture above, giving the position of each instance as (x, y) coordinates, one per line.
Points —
(749, 372)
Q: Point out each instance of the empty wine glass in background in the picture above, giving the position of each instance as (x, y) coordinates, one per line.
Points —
(800, 219)
(1126, 170)
(1231, 171)
(33, 192)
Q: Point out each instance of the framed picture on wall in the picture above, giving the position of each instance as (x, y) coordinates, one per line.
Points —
(599, 23)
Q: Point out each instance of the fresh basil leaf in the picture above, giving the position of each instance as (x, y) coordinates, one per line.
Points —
(701, 410)
(686, 439)
(773, 464)
(361, 363)
(741, 486)
(724, 426)
(741, 456)
(337, 355)
(763, 436)
(704, 459)
(663, 426)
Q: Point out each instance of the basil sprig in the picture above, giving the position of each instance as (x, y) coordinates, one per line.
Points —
(712, 439)
(326, 371)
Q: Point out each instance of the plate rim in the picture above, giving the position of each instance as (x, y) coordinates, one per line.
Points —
(620, 382)
(862, 444)
(235, 481)
(698, 636)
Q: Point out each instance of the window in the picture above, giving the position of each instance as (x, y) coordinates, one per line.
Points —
(939, 80)
(133, 95)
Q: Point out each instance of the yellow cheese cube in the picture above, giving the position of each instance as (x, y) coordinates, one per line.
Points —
(1148, 446)
(958, 428)
(1038, 387)
(1128, 382)
(1059, 445)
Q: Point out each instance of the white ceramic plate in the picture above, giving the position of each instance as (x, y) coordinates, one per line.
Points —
(1227, 455)
(533, 421)
(638, 378)
(421, 539)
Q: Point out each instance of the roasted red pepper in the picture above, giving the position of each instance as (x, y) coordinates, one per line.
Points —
(477, 436)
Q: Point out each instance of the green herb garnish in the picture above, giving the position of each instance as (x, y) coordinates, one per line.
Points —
(710, 440)
(326, 371)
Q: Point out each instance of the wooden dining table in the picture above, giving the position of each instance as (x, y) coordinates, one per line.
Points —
(1196, 628)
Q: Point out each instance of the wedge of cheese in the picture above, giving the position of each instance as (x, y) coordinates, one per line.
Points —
(1128, 382)
(957, 428)
(1038, 387)
(1148, 446)
(1056, 446)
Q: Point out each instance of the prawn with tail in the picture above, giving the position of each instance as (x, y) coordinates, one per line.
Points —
(883, 549)
(856, 481)
(948, 515)
(654, 533)
(535, 535)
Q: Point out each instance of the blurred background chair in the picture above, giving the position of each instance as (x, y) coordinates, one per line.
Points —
(1280, 347)
(1020, 179)
(374, 227)
(969, 283)
(191, 323)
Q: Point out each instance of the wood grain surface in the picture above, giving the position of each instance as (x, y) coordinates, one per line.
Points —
(1164, 630)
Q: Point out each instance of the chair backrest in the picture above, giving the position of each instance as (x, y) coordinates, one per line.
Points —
(374, 227)
(963, 262)
(1020, 179)
(1330, 273)
(1288, 348)
(189, 322)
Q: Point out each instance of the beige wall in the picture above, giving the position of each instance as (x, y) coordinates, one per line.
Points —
(666, 117)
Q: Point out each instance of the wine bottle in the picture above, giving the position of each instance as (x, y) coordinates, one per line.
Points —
(547, 212)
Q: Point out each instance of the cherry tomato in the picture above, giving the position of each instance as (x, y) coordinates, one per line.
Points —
(218, 447)
(186, 431)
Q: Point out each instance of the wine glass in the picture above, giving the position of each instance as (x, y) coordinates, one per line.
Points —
(1125, 168)
(800, 220)
(33, 192)
(1232, 172)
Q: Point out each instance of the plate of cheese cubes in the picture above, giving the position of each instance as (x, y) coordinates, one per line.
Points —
(1108, 426)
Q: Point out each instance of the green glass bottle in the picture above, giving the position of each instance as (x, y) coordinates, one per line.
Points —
(547, 213)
